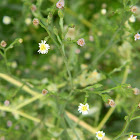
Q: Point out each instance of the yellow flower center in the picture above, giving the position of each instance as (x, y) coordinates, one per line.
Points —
(84, 108)
(42, 47)
(100, 135)
(133, 139)
(95, 73)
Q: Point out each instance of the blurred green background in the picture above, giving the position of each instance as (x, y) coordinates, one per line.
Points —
(108, 30)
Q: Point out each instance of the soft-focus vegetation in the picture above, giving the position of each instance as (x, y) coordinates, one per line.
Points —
(105, 69)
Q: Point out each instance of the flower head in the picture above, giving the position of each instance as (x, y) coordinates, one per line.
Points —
(83, 108)
(35, 21)
(3, 43)
(6, 102)
(33, 8)
(132, 137)
(136, 91)
(81, 42)
(111, 103)
(103, 11)
(28, 21)
(132, 18)
(60, 4)
(100, 135)
(44, 91)
(9, 123)
(6, 20)
(43, 47)
(134, 9)
(137, 36)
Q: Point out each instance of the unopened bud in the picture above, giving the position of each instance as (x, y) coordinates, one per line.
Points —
(60, 13)
(33, 8)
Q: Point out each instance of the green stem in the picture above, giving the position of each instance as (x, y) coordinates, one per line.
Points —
(127, 123)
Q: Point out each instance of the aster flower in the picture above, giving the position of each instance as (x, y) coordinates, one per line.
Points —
(111, 103)
(81, 42)
(132, 18)
(60, 4)
(6, 20)
(136, 91)
(44, 91)
(100, 135)
(6, 102)
(132, 137)
(3, 43)
(134, 9)
(83, 108)
(137, 36)
(35, 21)
(43, 47)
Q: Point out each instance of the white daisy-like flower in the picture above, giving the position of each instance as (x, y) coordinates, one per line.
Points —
(6, 20)
(60, 4)
(137, 36)
(132, 137)
(83, 108)
(132, 18)
(100, 135)
(43, 47)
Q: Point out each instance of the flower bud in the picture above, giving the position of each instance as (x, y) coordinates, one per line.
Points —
(3, 43)
(33, 8)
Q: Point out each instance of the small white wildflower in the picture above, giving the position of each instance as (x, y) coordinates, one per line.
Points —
(83, 108)
(6, 102)
(132, 18)
(134, 9)
(35, 21)
(28, 21)
(9, 123)
(136, 91)
(137, 36)
(60, 4)
(3, 43)
(100, 135)
(43, 47)
(132, 137)
(111, 103)
(6, 20)
(103, 11)
(44, 91)
(81, 42)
